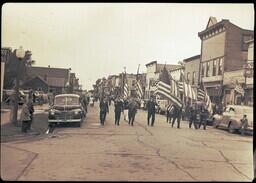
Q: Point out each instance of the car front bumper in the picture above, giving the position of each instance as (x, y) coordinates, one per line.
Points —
(63, 120)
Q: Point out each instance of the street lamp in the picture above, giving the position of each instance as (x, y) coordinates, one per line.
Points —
(20, 54)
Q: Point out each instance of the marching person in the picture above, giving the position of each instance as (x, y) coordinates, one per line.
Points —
(132, 110)
(203, 117)
(168, 112)
(151, 106)
(177, 113)
(193, 116)
(125, 111)
(172, 113)
(25, 117)
(118, 109)
(103, 110)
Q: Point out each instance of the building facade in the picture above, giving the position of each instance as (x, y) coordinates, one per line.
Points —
(223, 50)
(152, 76)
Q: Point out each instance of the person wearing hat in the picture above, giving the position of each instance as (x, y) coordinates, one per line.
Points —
(151, 106)
(103, 110)
(119, 107)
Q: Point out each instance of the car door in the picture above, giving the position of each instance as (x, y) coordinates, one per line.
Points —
(225, 117)
(228, 115)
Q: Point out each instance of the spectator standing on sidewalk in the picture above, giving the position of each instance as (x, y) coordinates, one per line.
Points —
(31, 111)
(25, 117)
(244, 124)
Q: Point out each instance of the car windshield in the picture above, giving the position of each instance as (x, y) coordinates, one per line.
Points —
(66, 101)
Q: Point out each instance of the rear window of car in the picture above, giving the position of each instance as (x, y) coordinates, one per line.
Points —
(66, 101)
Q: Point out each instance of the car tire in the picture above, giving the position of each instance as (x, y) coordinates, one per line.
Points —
(215, 125)
(231, 128)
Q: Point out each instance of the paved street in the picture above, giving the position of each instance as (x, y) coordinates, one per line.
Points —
(139, 152)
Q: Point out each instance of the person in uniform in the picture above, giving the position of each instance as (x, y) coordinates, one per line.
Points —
(125, 111)
(118, 109)
(151, 106)
(177, 114)
(203, 117)
(132, 110)
(193, 113)
(103, 110)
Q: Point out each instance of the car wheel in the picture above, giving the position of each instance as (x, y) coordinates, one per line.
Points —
(231, 128)
(215, 125)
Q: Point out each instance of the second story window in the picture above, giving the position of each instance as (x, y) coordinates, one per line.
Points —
(203, 66)
(214, 68)
(193, 78)
(207, 69)
(220, 70)
(188, 77)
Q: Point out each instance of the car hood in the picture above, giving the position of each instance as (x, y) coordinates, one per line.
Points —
(66, 107)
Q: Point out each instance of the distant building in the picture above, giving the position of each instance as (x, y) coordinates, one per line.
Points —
(152, 76)
(192, 70)
(57, 79)
(223, 50)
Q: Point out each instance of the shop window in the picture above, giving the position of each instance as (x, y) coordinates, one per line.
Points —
(207, 69)
(203, 66)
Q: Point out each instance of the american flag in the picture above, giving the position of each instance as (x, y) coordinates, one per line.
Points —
(126, 90)
(138, 89)
(202, 95)
(187, 90)
(168, 91)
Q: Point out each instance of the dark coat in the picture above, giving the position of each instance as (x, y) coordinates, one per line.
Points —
(104, 106)
(151, 106)
(119, 106)
(132, 106)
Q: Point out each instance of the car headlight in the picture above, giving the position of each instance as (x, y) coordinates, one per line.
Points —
(78, 112)
(52, 112)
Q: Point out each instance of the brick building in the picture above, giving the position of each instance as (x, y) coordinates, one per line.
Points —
(223, 50)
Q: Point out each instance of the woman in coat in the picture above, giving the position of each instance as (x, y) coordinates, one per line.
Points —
(25, 117)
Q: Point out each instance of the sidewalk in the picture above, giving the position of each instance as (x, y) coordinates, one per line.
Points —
(10, 131)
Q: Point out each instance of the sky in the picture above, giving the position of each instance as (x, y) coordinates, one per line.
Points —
(100, 39)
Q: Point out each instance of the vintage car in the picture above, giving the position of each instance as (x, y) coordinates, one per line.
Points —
(231, 117)
(66, 108)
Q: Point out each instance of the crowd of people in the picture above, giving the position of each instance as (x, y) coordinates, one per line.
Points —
(196, 114)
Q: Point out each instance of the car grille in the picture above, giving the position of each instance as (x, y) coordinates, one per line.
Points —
(64, 116)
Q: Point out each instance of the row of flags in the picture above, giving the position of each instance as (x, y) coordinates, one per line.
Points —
(173, 91)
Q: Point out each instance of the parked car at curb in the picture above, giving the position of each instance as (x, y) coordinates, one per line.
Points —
(66, 108)
(230, 119)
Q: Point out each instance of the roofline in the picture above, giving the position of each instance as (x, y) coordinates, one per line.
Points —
(151, 63)
(178, 68)
(222, 22)
(192, 58)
